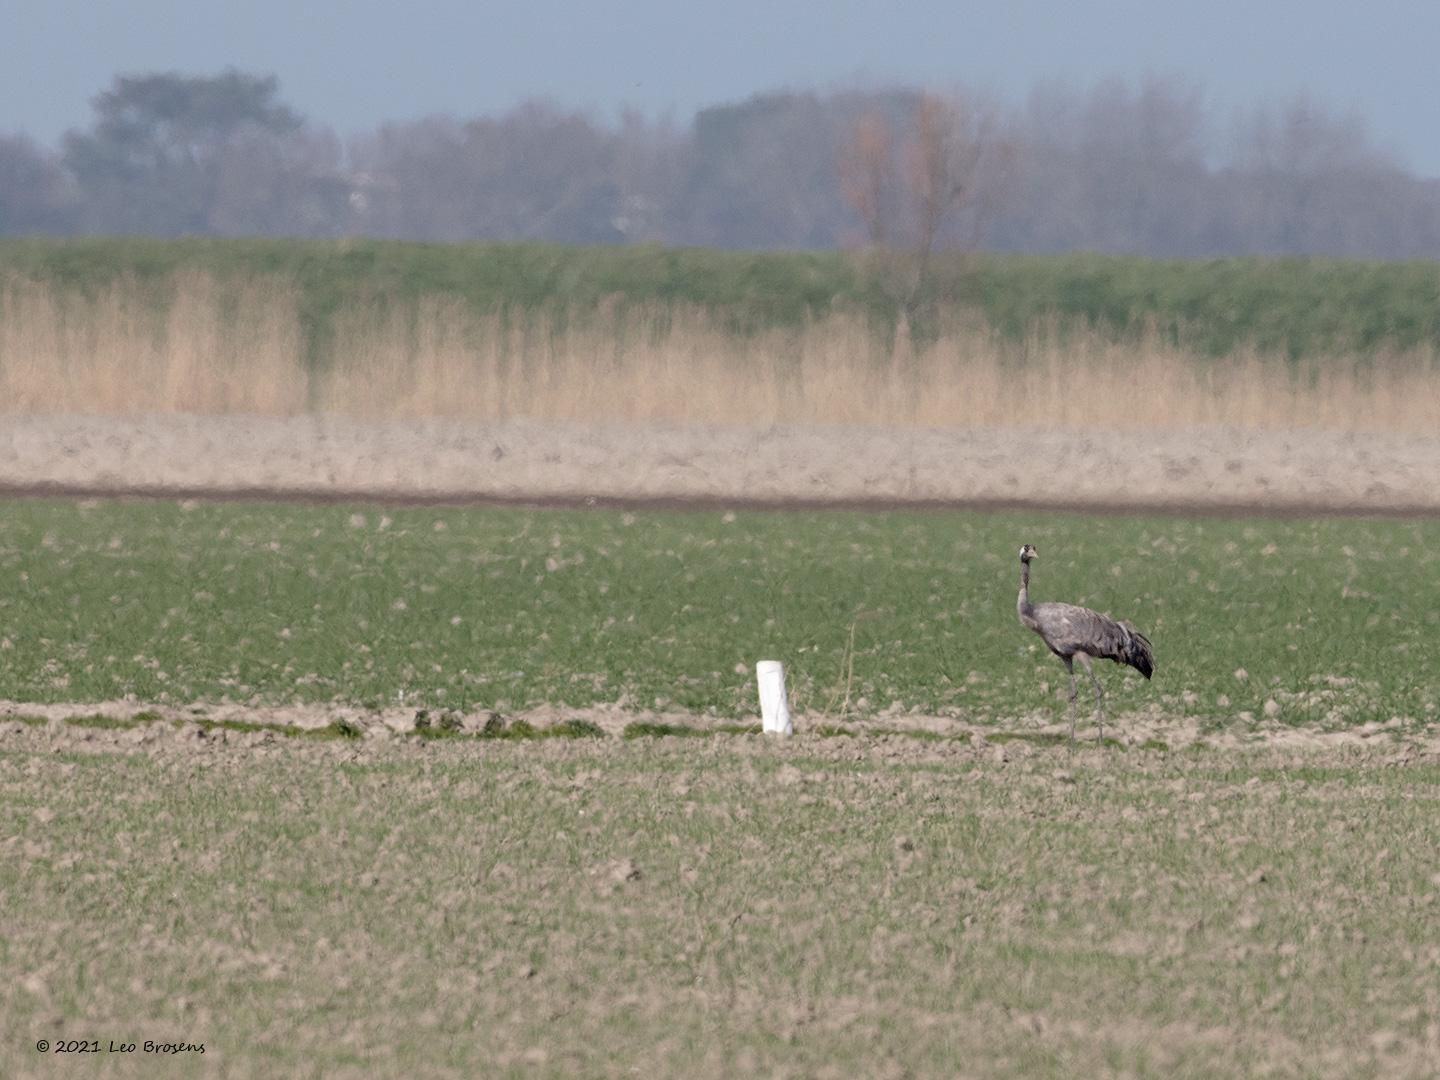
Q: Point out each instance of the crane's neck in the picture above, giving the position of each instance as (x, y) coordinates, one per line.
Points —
(1023, 607)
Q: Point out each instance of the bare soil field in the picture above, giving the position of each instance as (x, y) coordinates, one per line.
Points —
(814, 906)
(1210, 469)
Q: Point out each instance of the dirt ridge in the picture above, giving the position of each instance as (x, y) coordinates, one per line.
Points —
(1148, 728)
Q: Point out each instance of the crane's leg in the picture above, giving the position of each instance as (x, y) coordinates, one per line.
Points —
(1070, 667)
(1099, 697)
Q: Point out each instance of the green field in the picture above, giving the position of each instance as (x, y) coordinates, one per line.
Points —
(708, 908)
(1327, 622)
(1296, 307)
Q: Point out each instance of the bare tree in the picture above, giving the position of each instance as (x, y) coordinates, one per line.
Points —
(951, 158)
(1311, 180)
(866, 167)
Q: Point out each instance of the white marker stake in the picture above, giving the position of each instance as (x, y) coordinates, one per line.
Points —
(774, 710)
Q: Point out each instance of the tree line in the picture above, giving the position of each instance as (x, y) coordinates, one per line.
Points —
(1116, 167)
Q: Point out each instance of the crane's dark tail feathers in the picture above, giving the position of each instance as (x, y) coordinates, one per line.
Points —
(1136, 651)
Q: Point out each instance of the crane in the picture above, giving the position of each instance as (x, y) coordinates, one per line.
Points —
(1076, 633)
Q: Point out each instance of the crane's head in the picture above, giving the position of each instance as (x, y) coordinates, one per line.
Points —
(1028, 552)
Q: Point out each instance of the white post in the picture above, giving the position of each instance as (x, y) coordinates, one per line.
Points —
(774, 710)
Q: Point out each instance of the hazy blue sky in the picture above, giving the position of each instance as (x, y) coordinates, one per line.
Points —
(353, 64)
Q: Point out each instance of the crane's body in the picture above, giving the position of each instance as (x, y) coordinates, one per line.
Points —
(1076, 633)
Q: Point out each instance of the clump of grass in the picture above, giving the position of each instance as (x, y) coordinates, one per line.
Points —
(914, 733)
(577, 728)
(834, 731)
(337, 729)
(494, 725)
(738, 729)
(439, 733)
(1037, 738)
(450, 725)
(108, 723)
(649, 729)
(246, 727)
(497, 727)
(447, 721)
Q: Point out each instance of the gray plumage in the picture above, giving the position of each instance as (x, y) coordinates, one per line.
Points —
(1073, 632)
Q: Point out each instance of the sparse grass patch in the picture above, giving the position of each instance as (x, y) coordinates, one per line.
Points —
(854, 906)
(244, 727)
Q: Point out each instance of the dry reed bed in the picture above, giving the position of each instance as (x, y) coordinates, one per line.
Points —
(242, 350)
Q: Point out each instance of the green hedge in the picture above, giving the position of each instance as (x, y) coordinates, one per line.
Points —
(1297, 307)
